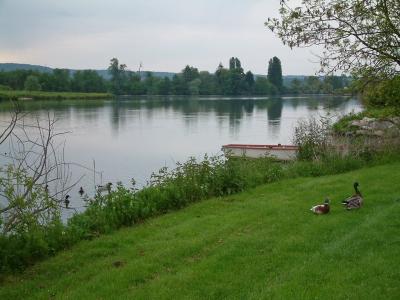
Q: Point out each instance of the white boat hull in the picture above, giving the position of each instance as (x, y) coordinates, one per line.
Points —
(279, 152)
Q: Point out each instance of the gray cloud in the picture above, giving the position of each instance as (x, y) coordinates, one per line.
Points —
(164, 34)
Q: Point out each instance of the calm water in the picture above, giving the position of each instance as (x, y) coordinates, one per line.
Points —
(131, 138)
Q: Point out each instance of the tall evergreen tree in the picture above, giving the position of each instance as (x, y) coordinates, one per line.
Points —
(275, 73)
(238, 65)
(232, 63)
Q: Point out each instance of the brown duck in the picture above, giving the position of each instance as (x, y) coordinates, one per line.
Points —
(321, 209)
(355, 201)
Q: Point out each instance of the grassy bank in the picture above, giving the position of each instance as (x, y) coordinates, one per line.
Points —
(344, 124)
(260, 244)
(168, 190)
(15, 95)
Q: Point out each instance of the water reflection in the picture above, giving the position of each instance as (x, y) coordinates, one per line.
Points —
(133, 137)
(274, 109)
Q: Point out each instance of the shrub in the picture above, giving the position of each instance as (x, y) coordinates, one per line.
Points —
(173, 189)
(4, 88)
(312, 138)
(18, 250)
(383, 94)
(343, 125)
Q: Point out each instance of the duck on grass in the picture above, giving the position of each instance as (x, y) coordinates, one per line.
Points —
(353, 202)
(322, 209)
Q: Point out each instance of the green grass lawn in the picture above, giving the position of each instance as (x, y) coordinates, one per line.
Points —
(260, 244)
(15, 95)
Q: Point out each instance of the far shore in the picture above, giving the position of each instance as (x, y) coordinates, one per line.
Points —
(38, 95)
(41, 95)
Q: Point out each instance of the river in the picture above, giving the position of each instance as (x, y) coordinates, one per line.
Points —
(132, 137)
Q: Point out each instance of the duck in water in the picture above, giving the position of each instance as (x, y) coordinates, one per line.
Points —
(66, 201)
(81, 191)
(104, 188)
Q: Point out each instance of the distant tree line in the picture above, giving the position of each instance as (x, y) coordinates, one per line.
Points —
(60, 80)
(190, 81)
(232, 81)
(320, 85)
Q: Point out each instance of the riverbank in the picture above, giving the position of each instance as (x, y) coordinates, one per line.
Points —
(167, 191)
(36, 95)
(349, 124)
(262, 243)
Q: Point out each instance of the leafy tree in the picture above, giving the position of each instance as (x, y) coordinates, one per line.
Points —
(32, 83)
(16, 79)
(208, 84)
(326, 86)
(87, 81)
(118, 75)
(136, 86)
(232, 81)
(382, 94)
(236, 82)
(312, 85)
(275, 73)
(61, 80)
(337, 82)
(249, 79)
(151, 84)
(179, 86)
(194, 86)
(164, 86)
(190, 73)
(296, 86)
(264, 87)
(332, 84)
(47, 82)
(358, 36)
(35, 163)
(223, 80)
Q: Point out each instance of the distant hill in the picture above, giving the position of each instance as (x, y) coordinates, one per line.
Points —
(7, 67)
(104, 73)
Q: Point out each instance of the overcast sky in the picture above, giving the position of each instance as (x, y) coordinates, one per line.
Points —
(165, 35)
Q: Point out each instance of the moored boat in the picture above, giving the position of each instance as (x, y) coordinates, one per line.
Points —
(279, 152)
